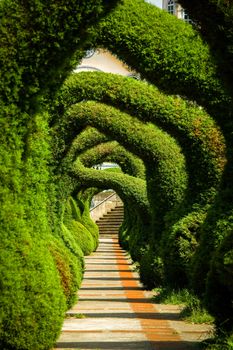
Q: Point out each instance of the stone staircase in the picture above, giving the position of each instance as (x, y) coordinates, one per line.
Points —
(110, 223)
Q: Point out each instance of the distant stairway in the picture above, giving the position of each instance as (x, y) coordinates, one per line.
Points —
(110, 223)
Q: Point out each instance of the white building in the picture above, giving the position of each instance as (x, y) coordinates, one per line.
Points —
(172, 7)
(103, 61)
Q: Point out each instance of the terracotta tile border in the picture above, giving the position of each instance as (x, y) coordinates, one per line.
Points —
(155, 330)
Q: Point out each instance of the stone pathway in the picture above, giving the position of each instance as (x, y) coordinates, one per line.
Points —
(118, 314)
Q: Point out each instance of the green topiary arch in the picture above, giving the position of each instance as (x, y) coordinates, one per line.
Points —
(197, 133)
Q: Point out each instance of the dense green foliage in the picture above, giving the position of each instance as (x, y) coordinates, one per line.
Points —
(113, 152)
(203, 146)
(136, 228)
(175, 60)
(164, 162)
(165, 167)
(125, 185)
(135, 231)
(164, 67)
(38, 42)
(69, 265)
(191, 126)
(214, 258)
(218, 33)
(176, 184)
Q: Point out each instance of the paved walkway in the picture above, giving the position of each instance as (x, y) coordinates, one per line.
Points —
(118, 314)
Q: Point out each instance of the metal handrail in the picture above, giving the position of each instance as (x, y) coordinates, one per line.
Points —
(107, 198)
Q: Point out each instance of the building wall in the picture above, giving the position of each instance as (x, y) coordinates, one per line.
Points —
(104, 61)
(179, 12)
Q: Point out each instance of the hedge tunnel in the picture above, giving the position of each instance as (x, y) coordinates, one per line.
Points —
(44, 218)
(37, 41)
(137, 223)
(113, 152)
(125, 185)
(152, 158)
(202, 141)
(156, 150)
(136, 227)
(170, 69)
(91, 137)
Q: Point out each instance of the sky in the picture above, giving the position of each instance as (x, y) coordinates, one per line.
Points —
(156, 2)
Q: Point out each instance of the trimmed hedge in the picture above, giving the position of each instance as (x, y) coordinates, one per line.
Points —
(81, 234)
(175, 60)
(83, 200)
(214, 20)
(134, 232)
(70, 268)
(32, 300)
(217, 29)
(197, 133)
(135, 235)
(219, 283)
(113, 152)
(180, 242)
(131, 164)
(125, 185)
(210, 262)
(38, 42)
(82, 140)
(200, 137)
(166, 175)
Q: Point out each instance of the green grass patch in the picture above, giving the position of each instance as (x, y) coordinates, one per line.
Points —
(170, 296)
(193, 311)
(196, 313)
(220, 342)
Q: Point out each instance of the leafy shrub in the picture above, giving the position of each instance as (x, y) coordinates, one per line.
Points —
(177, 61)
(179, 243)
(203, 146)
(219, 283)
(151, 267)
(70, 269)
(32, 301)
(39, 42)
(80, 233)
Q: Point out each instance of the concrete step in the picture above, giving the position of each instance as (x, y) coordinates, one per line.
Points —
(109, 216)
(114, 214)
(108, 231)
(110, 223)
(116, 230)
(109, 220)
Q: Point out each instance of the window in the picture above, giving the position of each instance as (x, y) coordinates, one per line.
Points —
(185, 16)
(171, 7)
(89, 53)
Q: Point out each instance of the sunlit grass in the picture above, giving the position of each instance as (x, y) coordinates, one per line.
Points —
(192, 311)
